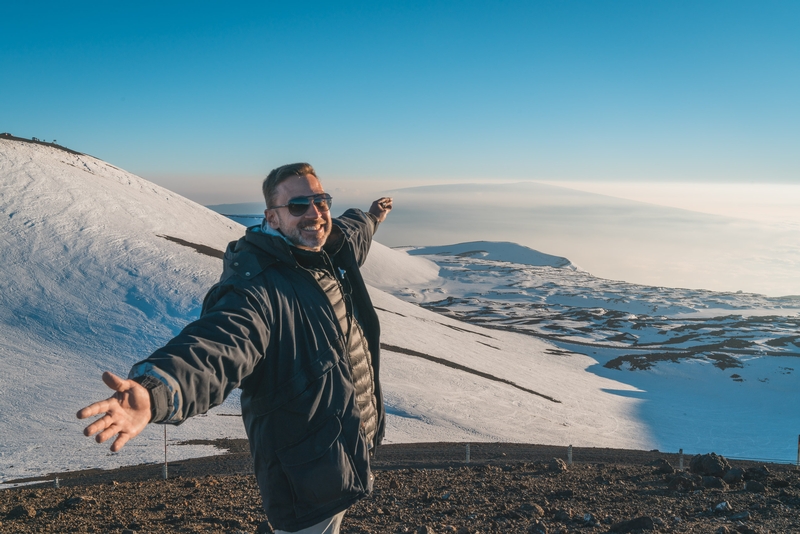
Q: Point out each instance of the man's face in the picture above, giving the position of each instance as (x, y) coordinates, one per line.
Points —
(309, 230)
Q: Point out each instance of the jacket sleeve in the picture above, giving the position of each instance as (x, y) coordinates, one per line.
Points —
(198, 368)
(358, 227)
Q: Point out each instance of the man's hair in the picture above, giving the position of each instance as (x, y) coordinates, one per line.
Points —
(276, 176)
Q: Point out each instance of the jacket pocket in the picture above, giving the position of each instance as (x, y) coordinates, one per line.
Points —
(287, 389)
(320, 470)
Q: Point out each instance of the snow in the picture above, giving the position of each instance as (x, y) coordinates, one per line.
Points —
(713, 371)
(88, 285)
(387, 268)
(89, 282)
(443, 404)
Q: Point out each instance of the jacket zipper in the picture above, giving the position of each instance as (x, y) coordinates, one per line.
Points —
(342, 335)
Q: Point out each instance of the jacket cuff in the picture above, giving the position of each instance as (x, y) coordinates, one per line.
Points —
(159, 397)
(374, 219)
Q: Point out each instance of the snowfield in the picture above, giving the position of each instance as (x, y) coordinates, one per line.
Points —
(482, 341)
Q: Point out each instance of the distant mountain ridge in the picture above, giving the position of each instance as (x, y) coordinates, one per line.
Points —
(497, 251)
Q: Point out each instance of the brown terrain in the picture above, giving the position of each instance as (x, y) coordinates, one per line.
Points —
(431, 488)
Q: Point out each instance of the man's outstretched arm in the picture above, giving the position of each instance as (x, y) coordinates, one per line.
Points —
(127, 412)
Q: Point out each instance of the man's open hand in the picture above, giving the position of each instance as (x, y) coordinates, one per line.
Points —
(381, 208)
(127, 412)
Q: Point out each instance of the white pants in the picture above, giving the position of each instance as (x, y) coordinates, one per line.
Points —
(328, 526)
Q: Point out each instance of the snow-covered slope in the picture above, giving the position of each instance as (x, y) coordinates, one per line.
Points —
(447, 381)
(88, 282)
(100, 267)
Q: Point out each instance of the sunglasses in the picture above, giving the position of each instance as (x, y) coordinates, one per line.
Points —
(299, 205)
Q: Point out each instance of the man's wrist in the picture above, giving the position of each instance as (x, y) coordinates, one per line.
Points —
(159, 396)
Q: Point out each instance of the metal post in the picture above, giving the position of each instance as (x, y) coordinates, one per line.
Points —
(165, 453)
(467, 460)
(680, 460)
(56, 483)
(798, 452)
(569, 455)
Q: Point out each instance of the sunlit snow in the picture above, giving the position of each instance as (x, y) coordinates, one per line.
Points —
(100, 267)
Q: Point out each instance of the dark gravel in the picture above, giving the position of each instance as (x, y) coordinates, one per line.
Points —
(426, 488)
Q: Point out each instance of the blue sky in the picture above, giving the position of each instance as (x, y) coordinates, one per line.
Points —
(206, 96)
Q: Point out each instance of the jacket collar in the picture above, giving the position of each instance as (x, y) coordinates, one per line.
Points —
(276, 244)
(271, 242)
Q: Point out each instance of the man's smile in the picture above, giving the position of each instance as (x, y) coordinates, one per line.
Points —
(315, 226)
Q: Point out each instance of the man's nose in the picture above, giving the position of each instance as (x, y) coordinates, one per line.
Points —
(313, 210)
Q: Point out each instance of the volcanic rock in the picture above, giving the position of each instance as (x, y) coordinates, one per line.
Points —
(663, 467)
(683, 482)
(562, 515)
(757, 473)
(723, 507)
(533, 509)
(557, 465)
(21, 511)
(754, 486)
(709, 464)
(733, 476)
(639, 523)
(710, 482)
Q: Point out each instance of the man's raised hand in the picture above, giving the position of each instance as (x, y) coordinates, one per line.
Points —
(381, 208)
(127, 412)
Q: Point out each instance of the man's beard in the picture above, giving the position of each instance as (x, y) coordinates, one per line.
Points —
(302, 239)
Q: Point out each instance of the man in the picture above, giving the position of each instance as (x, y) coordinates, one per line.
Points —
(292, 325)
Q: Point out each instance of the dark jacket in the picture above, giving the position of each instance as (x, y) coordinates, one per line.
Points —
(268, 328)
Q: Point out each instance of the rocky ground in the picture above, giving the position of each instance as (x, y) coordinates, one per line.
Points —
(427, 488)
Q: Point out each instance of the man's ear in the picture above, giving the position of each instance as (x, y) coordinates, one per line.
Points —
(272, 219)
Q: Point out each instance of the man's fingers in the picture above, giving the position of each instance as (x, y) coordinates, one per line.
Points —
(124, 414)
(109, 432)
(381, 207)
(99, 425)
(96, 408)
(114, 382)
(120, 442)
